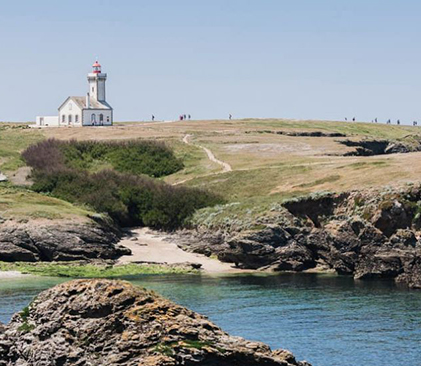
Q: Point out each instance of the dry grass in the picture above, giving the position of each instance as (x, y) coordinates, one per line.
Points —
(21, 204)
(268, 167)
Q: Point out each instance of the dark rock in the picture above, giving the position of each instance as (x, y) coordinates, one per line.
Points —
(302, 133)
(381, 147)
(368, 234)
(381, 265)
(390, 217)
(31, 243)
(412, 272)
(103, 322)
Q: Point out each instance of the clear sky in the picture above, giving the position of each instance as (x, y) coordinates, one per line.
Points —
(324, 59)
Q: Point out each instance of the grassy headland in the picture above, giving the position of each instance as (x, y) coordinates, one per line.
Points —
(267, 167)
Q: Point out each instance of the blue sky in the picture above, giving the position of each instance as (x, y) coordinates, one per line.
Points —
(324, 59)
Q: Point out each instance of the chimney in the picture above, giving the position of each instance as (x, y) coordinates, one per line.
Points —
(87, 101)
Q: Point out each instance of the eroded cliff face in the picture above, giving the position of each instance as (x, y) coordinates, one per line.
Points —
(383, 147)
(32, 242)
(362, 233)
(104, 322)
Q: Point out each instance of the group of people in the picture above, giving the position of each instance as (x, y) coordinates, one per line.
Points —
(388, 122)
(184, 117)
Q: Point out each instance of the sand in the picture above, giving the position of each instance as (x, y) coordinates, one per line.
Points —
(151, 246)
(11, 274)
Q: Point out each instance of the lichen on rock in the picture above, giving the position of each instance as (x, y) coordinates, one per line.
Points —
(105, 322)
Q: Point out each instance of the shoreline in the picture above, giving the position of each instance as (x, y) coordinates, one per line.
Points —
(4, 275)
(151, 246)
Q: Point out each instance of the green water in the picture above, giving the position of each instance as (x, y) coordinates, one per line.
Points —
(327, 320)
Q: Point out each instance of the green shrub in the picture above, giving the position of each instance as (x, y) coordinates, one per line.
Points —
(134, 156)
(128, 198)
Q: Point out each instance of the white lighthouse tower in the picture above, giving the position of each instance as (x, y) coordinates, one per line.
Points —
(96, 80)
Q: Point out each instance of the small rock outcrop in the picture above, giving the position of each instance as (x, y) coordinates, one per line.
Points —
(104, 322)
(301, 133)
(381, 147)
(28, 242)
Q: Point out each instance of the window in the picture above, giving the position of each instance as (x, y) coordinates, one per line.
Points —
(93, 119)
(108, 118)
(70, 118)
(101, 118)
(63, 118)
(76, 118)
(93, 89)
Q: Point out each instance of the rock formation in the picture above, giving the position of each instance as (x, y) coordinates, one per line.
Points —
(61, 242)
(103, 322)
(366, 234)
(381, 147)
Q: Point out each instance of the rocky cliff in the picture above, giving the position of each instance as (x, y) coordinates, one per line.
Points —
(363, 233)
(103, 322)
(32, 242)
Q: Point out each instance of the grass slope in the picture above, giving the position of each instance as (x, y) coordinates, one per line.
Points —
(13, 140)
(22, 204)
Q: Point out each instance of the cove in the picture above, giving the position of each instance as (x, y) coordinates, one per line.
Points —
(326, 319)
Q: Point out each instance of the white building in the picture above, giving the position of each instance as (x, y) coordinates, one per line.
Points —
(92, 110)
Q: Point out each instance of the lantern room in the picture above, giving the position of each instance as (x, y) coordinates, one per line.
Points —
(96, 68)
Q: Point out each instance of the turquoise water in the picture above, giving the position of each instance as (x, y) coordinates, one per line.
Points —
(326, 320)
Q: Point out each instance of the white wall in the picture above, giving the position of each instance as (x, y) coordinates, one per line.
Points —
(70, 109)
(47, 121)
(107, 117)
(101, 86)
(97, 85)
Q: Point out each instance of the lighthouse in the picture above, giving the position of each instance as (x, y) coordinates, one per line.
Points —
(90, 110)
(96, 81)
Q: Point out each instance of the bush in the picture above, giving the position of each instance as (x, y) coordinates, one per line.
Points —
(129, 199)
(135, 156)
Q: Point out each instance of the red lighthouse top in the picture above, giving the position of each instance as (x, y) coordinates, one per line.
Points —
(97, 67)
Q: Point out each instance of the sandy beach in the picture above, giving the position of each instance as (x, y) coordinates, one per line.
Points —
(11, 274)
(150, 246)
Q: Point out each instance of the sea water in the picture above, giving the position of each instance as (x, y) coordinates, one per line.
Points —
(325, 319)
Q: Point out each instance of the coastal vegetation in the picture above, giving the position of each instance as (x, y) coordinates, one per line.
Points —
(90, 270)
(136, 157)
(69, 170)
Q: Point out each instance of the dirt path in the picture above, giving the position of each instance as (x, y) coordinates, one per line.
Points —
(151, 247)
(225, 166)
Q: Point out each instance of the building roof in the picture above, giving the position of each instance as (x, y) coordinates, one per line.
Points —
(81, 103)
